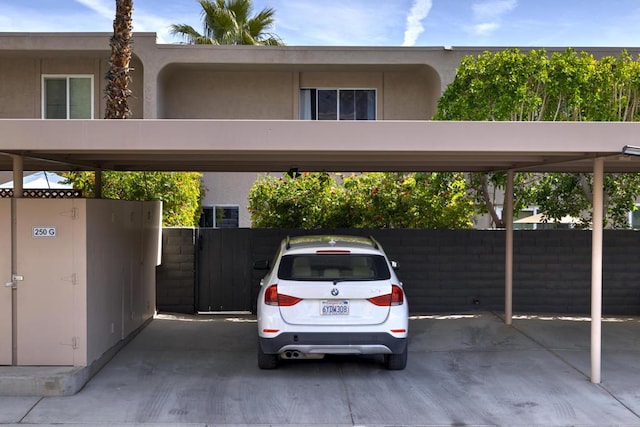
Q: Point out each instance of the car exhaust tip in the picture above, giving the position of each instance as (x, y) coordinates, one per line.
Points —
(291, 354)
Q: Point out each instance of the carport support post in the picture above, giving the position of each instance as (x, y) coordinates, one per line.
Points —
(596, 269)
(18, 171)
(507, 219)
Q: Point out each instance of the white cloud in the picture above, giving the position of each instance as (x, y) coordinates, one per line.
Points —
(419, 11)
(143, 21)
(485, 28)
(102, 8)
(492, 9)
(488, 15)
(337, 23)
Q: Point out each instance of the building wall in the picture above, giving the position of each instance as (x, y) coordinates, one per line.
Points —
(19, 88)
(205, 93)
(21, 83)
(224, 188)
(209, 94)
(411, 95)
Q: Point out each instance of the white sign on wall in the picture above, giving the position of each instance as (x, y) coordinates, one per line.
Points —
(44, 232)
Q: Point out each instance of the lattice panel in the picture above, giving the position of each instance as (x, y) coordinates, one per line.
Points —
(44, 193)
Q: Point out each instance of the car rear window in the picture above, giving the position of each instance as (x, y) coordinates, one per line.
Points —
(333, 267)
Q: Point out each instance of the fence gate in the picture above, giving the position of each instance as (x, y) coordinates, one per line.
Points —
(223, 270)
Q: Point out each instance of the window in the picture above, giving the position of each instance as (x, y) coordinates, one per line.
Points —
(524, 213)
(337, 104)
(333, 267)
(220, 216)
(67, 97)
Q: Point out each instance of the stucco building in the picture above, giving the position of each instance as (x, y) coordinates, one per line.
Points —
(60, 76)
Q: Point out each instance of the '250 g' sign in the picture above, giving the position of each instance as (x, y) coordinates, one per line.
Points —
(44, 232)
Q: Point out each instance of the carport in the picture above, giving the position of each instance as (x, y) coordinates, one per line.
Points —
(276, 146)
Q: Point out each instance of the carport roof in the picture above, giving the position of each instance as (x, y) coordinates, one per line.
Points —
(274, 145)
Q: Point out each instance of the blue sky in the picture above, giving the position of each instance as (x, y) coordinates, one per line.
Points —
(366, 22)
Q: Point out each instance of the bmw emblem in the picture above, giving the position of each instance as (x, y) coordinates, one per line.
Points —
(335, 292)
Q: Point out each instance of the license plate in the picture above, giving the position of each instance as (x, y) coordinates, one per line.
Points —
(334, 308)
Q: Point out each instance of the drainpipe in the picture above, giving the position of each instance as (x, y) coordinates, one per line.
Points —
(18, 170)
(596, 269)
(507, 219)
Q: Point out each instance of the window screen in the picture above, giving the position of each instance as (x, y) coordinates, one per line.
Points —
(220, 216)
(67, 97)
(337, 104)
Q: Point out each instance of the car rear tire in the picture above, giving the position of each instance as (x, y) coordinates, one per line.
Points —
(396, 362)
(266, 361)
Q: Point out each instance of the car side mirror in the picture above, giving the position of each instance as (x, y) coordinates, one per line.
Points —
(395, 265)
(262, 264)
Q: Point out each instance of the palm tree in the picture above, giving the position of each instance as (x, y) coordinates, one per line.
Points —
(118, 77)
(230, 22)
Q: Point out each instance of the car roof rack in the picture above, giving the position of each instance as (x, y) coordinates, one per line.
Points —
(375, 242)
(304, 240)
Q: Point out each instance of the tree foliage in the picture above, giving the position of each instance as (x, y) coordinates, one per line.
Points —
(375, 200)
(564, 86)
(180, 192)
(230, 22)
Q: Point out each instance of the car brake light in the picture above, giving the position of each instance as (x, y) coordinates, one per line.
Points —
(396, 297)
(272, 297)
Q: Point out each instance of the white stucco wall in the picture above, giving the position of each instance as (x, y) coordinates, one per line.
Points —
(122, 246)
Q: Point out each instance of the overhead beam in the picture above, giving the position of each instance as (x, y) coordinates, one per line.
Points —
(270, 145)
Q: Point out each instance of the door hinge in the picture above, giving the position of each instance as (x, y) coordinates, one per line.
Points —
(73, 213)
(73, 279)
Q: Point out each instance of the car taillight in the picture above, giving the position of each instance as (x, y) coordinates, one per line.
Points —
(272, 297)
(396, 297)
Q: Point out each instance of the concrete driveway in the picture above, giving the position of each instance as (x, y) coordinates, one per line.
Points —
(462, 370)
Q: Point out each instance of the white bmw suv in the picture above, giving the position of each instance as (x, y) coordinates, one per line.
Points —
(331, 295)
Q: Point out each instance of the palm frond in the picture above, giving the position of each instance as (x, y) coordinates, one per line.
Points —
(231, 22)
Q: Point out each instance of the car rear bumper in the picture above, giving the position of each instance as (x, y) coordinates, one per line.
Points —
(334, 343)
